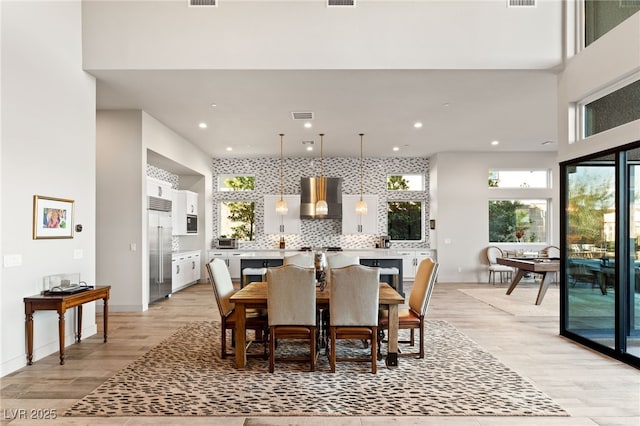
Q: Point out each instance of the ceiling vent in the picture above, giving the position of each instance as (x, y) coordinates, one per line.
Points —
(302, 115)
(198, 3)
(338, 3)
(521, 3)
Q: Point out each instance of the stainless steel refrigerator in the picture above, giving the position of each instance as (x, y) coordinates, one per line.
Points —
(159, 235)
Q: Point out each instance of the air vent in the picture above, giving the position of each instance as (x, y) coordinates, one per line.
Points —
(208, 3)
(521, 3)
(336, 3)
(302, 115)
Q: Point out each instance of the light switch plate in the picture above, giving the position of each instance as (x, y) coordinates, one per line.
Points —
(78, 254)
(12, 260)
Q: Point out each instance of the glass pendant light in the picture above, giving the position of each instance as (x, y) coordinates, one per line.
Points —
(281, 204)
(361, 205)
(322, 208)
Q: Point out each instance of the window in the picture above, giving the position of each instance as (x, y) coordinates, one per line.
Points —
(523, 221)
(519, 179)
(404, 220)
(407, 182)
(601, 16)
(615, 109)
(237, 217)
(236, 183)
(237, 220)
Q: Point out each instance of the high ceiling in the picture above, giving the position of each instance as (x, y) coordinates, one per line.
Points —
(459, 110)
(471, 71)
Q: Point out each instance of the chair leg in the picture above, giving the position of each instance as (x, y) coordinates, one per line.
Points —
(374, 345)
(312, 348)
(272, 349)
(421, 337)
(224, 343)
(332, 356)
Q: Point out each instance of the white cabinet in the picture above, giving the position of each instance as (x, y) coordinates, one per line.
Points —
(184, 203)
(353, 223)
(411, 258)
(278, 224)
(232, 259)
(159, 188)
(185, 269)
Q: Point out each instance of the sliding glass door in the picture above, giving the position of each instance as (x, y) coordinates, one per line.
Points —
(600, 301)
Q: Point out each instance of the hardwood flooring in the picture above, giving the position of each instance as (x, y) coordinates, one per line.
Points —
(593, 389)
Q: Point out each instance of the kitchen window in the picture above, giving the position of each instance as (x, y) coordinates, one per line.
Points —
(519, 179)
(237, 220)
(408, 182)
(405, 220)
(236, 183)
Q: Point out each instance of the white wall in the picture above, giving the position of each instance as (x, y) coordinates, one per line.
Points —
(585, 75)
(391, 34)
(123, 138)
(48, 134)
(461, 210)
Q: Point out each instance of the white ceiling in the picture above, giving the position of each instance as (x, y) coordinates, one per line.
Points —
(460, 110)
(472, 71)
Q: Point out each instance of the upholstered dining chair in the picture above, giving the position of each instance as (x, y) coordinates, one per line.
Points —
(412, 318)
(353, 310)
(303, 260)
(492, 254)
(291, 302)
(223, 289)
(340, 260)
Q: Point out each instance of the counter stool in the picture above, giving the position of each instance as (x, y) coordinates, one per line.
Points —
(246, 272)
(394, 273)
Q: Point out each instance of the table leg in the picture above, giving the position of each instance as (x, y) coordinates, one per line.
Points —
(516, 280)
(105, 318)
(392, 355)
(241, 355)
(29, 331)
(544, 285)
(61, 335)
(78, 323)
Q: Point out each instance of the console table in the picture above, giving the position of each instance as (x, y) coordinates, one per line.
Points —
(61, 303)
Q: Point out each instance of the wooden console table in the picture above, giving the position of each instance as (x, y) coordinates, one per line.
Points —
(61, 303)
(539, 266)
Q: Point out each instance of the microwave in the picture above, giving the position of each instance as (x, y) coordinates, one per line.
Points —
(226, 243)
(192, 224)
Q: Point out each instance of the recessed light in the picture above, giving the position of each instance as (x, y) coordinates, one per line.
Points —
(213, 104)
(446, 104)
(417, 124)
(308, 125)
(395, 148)
(494, 143)
(202, 125)
(229, 148)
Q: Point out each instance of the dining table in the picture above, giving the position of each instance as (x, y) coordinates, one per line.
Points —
(537, 265)
(254, 295)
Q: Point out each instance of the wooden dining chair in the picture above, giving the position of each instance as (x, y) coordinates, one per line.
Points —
(223, 289)
(412, 318)
(291, 302)
(353, 310)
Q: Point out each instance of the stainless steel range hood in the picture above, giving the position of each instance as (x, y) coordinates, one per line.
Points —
(309, 195)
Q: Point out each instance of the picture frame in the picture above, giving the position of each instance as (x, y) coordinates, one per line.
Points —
(52, 217)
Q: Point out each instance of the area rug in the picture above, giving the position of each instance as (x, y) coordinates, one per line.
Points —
(185, 376)
(521, 302)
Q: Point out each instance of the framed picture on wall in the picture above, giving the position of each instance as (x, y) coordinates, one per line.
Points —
(52, 217)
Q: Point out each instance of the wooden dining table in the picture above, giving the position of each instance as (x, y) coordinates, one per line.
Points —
(254, 295)
(538, 266)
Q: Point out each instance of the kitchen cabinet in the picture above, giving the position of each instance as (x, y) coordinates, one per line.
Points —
(185, 269)
(184, 203)
(279, 224)
(356, 224)
(411, 258)
(159, 189)
(232, 260)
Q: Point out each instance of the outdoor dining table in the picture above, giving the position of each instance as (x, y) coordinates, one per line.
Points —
(254, 295)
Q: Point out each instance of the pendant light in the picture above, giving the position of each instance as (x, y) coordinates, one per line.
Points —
(361, 205)
(321, 205)
(281, 204)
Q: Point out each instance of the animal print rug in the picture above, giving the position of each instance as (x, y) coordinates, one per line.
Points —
(185, 376)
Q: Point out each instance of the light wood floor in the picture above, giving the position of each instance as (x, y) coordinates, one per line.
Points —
(593, 389)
